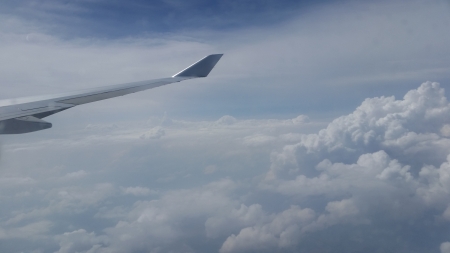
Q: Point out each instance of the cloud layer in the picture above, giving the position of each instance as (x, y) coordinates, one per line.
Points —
(375, 179)
(227, 164)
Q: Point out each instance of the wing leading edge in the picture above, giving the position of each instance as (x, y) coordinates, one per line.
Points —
(25, 115)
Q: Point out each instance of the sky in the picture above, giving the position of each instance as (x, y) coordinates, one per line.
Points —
(325, 127)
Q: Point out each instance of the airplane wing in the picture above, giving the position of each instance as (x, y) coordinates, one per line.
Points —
(25, 115)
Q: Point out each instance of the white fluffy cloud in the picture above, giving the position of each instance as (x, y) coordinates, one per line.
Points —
(374, 180)
(282, 231)
(81, 241)
(368, 174)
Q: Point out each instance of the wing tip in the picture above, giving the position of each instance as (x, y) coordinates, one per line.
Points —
(201, 68)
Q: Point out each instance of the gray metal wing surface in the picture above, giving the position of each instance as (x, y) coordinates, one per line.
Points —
(23, 115)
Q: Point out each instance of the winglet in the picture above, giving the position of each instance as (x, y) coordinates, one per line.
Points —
(200, 68)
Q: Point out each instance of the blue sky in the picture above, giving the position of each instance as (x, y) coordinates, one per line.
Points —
(325, 127)
(325, 53)
(115, 19)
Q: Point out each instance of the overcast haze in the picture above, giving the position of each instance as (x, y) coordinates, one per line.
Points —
(325, 127)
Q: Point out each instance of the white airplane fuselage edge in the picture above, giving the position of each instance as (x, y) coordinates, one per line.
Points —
(24, 115)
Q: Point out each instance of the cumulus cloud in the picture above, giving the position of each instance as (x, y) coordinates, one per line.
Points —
(166, 222)
(80, 241)
(378, 172)
(408, 129)
(389, 155)
(376, 179)
(445, 247)
(154, 133)
(282, 231)
(34, 230)
(385, 164)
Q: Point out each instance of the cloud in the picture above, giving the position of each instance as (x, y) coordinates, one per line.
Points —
(383, 167)
(6, 182)
(389, 155)
(210, 169)
(256, 140)
(281, 232)
(35, 230)
(81, 241)
(165, 223)
(226, 120)
(445, 247)
(375, 179)
(75, 175)
(363, 155)
(154, 133)
(331, 55)
(62, 200)
(137, 191)
(377, 124)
